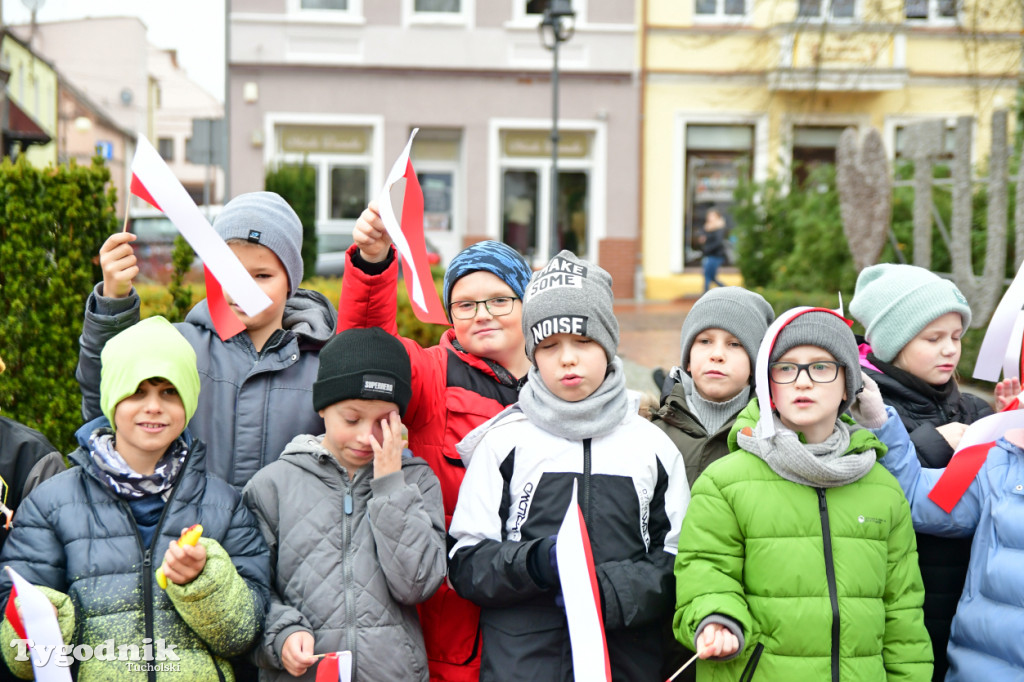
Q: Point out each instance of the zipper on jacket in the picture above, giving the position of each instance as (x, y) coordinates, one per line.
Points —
(350, 610)
(585, 503)
(147, 570)
(830, 576)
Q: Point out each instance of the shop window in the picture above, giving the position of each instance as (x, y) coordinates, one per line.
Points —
(716, 158)
(165, 146)
(813, 146)
(324, 4)
(349, 192)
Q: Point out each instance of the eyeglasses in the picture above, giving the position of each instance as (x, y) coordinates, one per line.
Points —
(821, 372)
(497, 306)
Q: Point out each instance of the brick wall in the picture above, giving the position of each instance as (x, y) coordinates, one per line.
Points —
(619, 258)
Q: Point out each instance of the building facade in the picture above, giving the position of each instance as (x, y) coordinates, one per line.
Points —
(760, 87)
(340, 84)
(30, 102)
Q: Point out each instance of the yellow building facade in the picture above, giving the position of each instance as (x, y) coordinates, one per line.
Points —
(33, 86)
(761, 87)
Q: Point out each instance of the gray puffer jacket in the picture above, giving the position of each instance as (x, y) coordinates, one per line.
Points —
(350, 559)
(251, 404)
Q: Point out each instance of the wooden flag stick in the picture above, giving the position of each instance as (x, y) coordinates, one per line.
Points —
(684, 667)
(127, 212)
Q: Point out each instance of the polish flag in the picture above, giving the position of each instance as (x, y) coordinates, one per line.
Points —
(582, 597)
(408, 238)
(154, 183)
(335, 667)
(37, 622)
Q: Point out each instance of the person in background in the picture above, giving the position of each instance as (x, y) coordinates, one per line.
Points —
(712, 240)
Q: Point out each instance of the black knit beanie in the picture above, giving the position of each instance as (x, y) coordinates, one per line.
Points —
(367, 364)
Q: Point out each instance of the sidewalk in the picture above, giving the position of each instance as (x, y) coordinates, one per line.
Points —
(649, 338)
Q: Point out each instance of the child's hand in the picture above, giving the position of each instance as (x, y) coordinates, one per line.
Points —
(117, 259)
(868, 409)
(371, 236)
(717, 641)
(297, 653)
(387, 456)
(1006, 392)
(183, 563)
(952, 432)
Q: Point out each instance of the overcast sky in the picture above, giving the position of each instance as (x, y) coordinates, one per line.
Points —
(195, 28)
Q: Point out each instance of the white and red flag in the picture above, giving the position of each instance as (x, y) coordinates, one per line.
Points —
(335, 667)
(582, 597)
(153, 182)
(408, 238)
(37, 623)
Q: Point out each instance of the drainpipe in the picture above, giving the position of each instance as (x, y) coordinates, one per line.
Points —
(639, 282)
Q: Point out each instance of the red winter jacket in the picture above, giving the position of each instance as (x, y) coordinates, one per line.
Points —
(453, 392)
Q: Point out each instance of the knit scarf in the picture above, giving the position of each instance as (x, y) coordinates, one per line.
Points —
(594, 416)
(125, 481)
(819, 465)
(711, 414)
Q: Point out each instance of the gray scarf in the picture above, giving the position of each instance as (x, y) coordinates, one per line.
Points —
(819, 465)
(711, 414)
(596, 415)
(125, 481)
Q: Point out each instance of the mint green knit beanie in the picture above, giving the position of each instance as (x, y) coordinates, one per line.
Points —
(895, 302)
(148, 349)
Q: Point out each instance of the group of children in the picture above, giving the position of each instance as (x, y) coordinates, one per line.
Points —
(323, 530)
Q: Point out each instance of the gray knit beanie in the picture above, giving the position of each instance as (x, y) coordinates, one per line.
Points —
(825, 330)
(895, 302)
(265, 218)
(740, 312)
(570, 296)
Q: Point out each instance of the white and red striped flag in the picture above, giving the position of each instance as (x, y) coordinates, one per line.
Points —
(582, 597)
(153, 182)
(335, 667)
(408, 238)
(37, 623)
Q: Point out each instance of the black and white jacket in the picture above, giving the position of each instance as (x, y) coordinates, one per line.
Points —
(633, 493)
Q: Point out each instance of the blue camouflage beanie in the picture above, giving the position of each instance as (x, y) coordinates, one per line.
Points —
(499, 259)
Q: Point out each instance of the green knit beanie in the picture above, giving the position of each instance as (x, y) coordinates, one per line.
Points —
(149, 349)
(895, 302)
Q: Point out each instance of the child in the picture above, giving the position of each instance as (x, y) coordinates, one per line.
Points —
(984, 641)
(575, 421)
(720, 337)
(26, 459)
(356, 531)
(472, 374)
(914, 320)
(92, 537)
(256, 386)
(796, 559)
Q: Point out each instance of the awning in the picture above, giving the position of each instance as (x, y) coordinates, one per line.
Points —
(22, 127)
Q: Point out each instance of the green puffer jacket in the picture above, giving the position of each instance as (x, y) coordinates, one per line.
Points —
(824, 583)
(698, 448)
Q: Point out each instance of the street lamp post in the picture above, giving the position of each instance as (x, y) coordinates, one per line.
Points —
(557, 27)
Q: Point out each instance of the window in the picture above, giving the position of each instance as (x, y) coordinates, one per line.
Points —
(526, 221)
(324, 4)
(721, 8)
(813, 146)
(449, 6)
(165, 145)
(947, 144)
(327, 10)
(716, 156)
(350, 192)
(826, 9)
(537, 6)
(930, 9)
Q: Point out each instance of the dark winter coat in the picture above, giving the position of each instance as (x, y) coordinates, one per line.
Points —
(75, 536)
(698, 447)
(252, 403)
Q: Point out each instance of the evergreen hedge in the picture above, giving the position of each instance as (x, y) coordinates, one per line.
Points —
(52, 224)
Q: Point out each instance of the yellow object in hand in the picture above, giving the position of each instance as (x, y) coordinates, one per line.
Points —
(189, 537)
